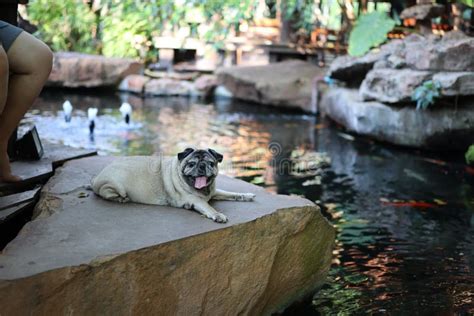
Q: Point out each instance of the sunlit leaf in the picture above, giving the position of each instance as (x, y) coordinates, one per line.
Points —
(470, 155)
(370, 31)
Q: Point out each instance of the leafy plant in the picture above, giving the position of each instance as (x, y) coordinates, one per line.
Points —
(369, 31)
(64, 25)
(425, 94)
(127, 28)
(301, 13)
(470, 155)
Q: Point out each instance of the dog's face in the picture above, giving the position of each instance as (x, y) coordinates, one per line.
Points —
(199, 167)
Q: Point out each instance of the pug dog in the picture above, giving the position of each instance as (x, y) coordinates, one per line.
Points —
(186, 180)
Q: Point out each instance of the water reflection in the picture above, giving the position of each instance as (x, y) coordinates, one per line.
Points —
(404, 220)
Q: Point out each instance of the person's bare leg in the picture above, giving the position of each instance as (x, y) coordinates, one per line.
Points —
(30, 62)
(4, 72)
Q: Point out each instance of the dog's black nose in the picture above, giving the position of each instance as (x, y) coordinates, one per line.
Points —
(202, 167)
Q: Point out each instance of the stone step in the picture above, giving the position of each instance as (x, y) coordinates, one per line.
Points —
(16, 199)
(38, 172)
(15, 211)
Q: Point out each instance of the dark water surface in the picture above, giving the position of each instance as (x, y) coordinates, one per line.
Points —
(405, 219)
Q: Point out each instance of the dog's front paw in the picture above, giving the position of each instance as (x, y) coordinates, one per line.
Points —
(247, 197)
(219, 218)
(122, 199)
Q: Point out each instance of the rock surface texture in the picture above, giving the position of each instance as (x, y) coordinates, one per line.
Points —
(446, 54)
(286, 84)
(422, 11)
(75, 70)
(354, 69)
(87, 256)
(169, 87)
(392, 85)
(445, 128)
(134, 83)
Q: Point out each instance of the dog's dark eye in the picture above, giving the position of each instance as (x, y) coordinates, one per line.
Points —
(211, 164)
(191, 164)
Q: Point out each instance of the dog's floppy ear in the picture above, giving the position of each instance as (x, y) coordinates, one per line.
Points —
(216, 155)
(185, 153)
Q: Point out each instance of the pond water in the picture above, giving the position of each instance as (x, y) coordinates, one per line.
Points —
(405, 219)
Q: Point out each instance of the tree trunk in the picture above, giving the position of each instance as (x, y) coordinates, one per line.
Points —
(285, 23)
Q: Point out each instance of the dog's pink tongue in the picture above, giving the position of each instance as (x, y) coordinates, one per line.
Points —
(200, 182)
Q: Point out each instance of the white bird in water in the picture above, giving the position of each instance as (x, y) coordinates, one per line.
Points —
(67, 108)
(92, 114)
(126, 110)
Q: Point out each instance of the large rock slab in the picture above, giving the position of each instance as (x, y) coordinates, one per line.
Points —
(455, 83)
(451, 53)
(169, 87)
(438, 128)
(89, 256)
(285, 84)
(422, 11)
(353, 69)
(134, 83)
(398, 85)
(76, 70)
(392, 85)
(206, 84)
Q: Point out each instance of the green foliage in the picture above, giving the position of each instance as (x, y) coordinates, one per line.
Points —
(301, 12)
(370, 31)
(224, 16)
(470, 155)
(425, 94)
(127, 28)
(65, 25)
(469, 3)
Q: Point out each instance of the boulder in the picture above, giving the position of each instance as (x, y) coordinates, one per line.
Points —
(353, 69)
(452, 53)
(134, 83)
(430, 129)
(286, 84)
(206, 84)
(455, 83)
(169, 87)
(422, 12)
(392, 85)
(395, 86)
(76, 70)
(88, 256)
